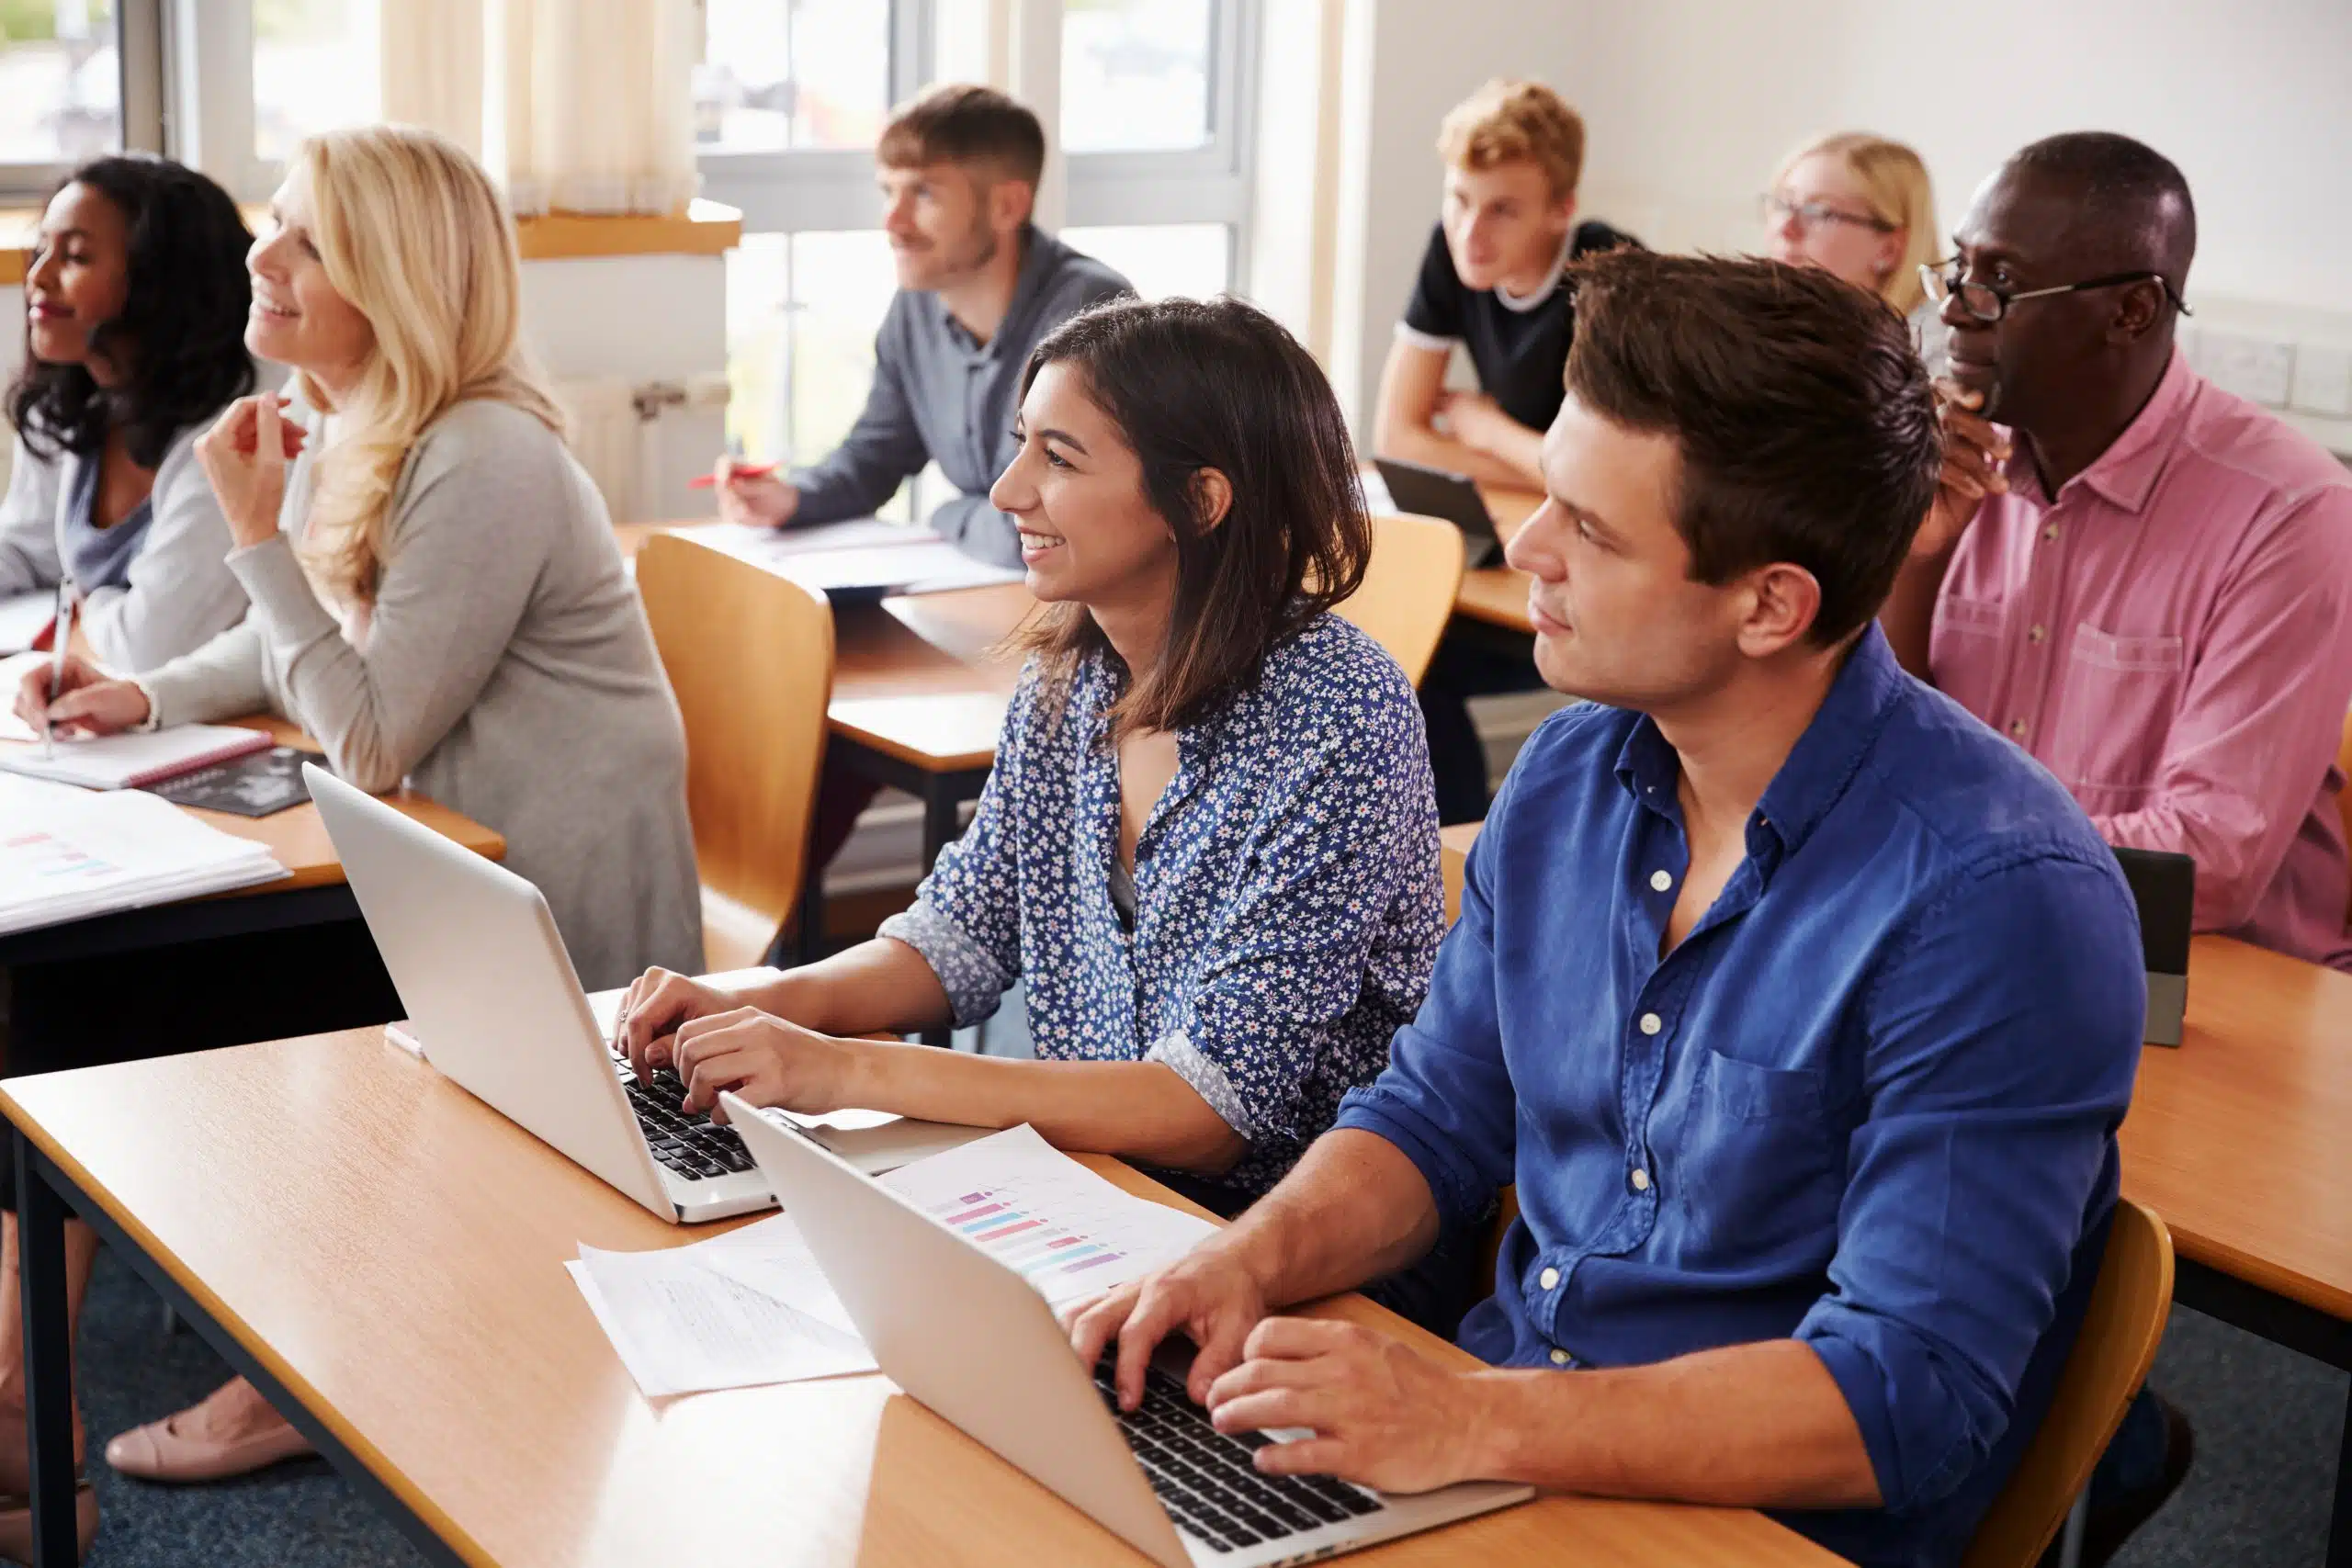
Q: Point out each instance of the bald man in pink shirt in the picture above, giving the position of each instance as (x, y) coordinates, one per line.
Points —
(2141, 579)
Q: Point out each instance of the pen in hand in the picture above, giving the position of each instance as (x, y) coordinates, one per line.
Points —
(61, 633)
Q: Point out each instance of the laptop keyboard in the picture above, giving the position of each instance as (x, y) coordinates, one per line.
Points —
(1205, 1479)
(695, 1147)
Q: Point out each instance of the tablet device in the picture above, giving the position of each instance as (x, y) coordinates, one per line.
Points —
(2163, 885)
(1436, 492)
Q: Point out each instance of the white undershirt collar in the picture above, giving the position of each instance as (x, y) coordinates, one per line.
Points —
(1522, 303)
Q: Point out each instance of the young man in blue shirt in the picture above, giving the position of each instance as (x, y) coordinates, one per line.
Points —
(1800, 1007)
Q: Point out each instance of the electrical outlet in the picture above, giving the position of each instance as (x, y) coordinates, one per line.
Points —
(2322, 381)
(2259, 369)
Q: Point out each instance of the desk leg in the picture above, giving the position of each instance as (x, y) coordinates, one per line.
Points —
(940, 798)
(49, 1359)
(811, 946)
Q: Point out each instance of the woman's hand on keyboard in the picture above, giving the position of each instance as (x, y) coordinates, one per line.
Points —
(657, 1002)
(763, 1059)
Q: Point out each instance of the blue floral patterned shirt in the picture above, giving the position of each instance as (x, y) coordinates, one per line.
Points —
(1288, 899)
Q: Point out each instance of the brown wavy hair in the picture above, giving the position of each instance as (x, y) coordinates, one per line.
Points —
(1195, 385)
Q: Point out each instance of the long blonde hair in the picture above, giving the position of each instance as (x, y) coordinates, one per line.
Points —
(1895, 185)
(413, 234)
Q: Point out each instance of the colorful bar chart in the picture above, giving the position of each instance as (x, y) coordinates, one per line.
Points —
(1064, 1230)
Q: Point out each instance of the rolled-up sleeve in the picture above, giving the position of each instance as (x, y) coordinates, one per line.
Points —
(2003, 1036)
(1446, 1100)
(1348, 833)
(966, 919)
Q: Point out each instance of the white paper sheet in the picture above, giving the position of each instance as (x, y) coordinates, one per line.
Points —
(1069, 1232)
(68, 853)
(746, 1308)
(23, 616)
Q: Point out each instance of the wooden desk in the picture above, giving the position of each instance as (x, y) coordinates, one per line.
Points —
(390, 1275)
(2238, 1137)
(314, 892)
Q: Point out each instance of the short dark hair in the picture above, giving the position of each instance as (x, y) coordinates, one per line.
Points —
(1802, 415)
(183, 318)
(1217, 384)
(2124, 185)
(960, 123)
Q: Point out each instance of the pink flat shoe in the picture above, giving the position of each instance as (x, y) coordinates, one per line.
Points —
(178, 1449)
(17, 1525)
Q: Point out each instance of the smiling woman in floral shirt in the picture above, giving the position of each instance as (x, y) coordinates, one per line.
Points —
(1209, 845)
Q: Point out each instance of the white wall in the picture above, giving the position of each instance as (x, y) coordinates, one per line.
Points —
(1689, 103)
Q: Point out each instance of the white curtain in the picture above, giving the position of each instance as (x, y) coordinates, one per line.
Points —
(577, 106)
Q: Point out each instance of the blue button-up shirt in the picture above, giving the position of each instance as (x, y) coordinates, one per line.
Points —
(1870, 1101)
(1288, 904)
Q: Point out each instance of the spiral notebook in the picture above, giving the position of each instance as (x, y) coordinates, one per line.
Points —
(134, 761)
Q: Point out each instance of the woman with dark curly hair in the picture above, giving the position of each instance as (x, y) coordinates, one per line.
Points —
(135, 306)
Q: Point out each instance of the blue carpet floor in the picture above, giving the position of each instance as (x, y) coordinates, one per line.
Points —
(2269, 1423)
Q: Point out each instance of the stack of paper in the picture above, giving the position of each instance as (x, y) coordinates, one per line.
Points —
(66, 854)
(745, 1308)
(865, 556)
(753, 1307)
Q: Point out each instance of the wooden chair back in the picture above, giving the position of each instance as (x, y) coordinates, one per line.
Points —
(2110, 1360)
(749, 654)
(1408, 588)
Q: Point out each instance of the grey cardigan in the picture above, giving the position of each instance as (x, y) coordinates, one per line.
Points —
(181, 594)
(506, 670)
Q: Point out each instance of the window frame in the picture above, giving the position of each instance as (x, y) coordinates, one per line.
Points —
(139, 61)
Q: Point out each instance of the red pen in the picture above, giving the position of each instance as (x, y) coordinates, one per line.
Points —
(742, 471)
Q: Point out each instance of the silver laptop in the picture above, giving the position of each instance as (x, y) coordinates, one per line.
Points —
(1000, 1367)
(495, 1003)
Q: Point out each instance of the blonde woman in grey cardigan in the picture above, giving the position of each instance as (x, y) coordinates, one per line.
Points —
(135, 308)
(437, 594)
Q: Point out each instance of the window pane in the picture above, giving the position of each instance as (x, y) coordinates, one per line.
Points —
(1191, 259)
(802, 310)
(315, 69)
(1136, 74)
(61, 84)
(810, 73)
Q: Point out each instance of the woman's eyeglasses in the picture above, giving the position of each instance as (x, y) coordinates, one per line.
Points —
(1777, 210)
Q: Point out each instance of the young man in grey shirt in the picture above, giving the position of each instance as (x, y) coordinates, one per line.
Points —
(978, 285)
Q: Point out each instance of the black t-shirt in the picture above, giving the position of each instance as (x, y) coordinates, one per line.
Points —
(1520, 349)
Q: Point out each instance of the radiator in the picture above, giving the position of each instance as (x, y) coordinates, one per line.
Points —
(636, 438)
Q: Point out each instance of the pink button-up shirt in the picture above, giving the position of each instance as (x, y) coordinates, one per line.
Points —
(2170, 636)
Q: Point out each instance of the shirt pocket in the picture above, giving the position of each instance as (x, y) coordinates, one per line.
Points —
(2115, 714)
(1761, 1161)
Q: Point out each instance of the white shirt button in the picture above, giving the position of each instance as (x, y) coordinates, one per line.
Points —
(2035, 634)
(1652, 1024)
(2050, 533)
(1549, 1278)
(1560, 1358)
(1641, 1179)
(1662, 880)
(2017, 729)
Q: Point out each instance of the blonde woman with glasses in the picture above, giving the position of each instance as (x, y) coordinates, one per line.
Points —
(1861, 207)
(437, 596)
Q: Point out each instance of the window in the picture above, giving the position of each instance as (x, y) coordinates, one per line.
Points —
(1136, 75)
(791, 94)
(315, 68)
(62, 74)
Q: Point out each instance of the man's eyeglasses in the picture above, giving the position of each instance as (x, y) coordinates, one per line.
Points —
(1777, 210)
(1988, 303)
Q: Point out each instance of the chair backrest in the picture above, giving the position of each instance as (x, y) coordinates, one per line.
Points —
(749, 654)
(2344, 796)
(2110, 1360)
(1408, 588)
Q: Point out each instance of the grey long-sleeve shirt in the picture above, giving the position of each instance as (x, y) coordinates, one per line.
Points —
(939, 396)
(179, 592)
(505, 669)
